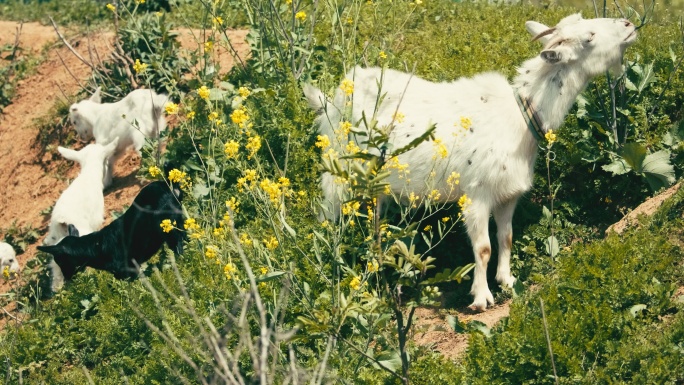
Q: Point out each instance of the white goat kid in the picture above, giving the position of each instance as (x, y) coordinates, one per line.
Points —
(495, 156)
(8, 260)
(82, 203)
(137, 116)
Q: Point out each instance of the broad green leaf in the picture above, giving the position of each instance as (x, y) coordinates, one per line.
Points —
(551, 245)
(658, 170)
(647, 77)
(270, 276)
(456, 324)
(618, 167)
(634, 154)
(389, 360)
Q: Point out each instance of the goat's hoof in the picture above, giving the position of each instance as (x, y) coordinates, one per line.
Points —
(481, 301)
(507, 281)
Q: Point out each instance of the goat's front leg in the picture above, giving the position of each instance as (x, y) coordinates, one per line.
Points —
(503, 215)
(477, 222)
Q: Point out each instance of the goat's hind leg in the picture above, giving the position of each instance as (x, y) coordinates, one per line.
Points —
(503, 215)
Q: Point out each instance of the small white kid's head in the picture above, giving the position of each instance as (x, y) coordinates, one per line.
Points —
(82, 115)
(8, 261)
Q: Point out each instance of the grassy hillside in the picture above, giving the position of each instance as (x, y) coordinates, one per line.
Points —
(266, 293)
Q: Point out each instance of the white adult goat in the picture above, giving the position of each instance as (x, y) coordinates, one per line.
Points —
(82, 203)
(8, 258)
(496, 157)
(137, 116)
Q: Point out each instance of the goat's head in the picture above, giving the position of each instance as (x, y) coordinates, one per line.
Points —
(93, 153)
(68, 253)
(81, 115)
(8, 260)
(595, 45)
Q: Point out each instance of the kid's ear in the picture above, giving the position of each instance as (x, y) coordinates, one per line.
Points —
(72, 230)
(68, 153)
(49, 249)
(95, 98)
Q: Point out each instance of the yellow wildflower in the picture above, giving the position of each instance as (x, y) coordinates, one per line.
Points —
(446, 219)
(245, 239)
(355, 283)
(229, 270)
(272, 189)
(240, 117)
(231, 149)
(453, 179)
(154, 171)
(351, 208)
(140, 1)
(211, 251)
(434, 195)
(284, 181)
(203, 92)
(345, 128)
(427, 228)
(208, 46)
(372, 266)
(398, 117)
(190, 115)
(263, 270)
(6, 272)
(413, 198)
(111, 7)
(244, 92)
(382, 55)
(167, 226)
(466, 122)
(322, 141)
(301, 16)
(347, 86)
(464, 202)
(139, 67)
(212, 116)
(176, 175)
(271, 243)
(218, 20)
(253, 145)
(550, 136)
(440, 149)
(191, 224)
(159, 14)
(171, 108)
(352, 148)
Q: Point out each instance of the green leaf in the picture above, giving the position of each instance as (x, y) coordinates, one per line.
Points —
(551, 245)
(658, 170)
(458, 326)
(270, 276)
(647, 77)
(618, 167)
(389, 360)
(634, 154)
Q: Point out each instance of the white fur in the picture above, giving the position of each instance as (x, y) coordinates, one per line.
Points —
(82, 203)
(8, 258)
(496, 157)
(137, 116)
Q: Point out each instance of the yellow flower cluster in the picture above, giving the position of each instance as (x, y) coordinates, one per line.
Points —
(229, 270)
(193, 228)
(212, 116)
(245, 239)
(208, 46)
(273, 189)
(211, 251)
(140, 1)
(345, 128)
(454, 179)
(218, 20)
(111, 7)
(240, 116)
(464, 202)
(322, 141)
(382, 55)
(301, 16)
(253, 145)
(244, 92)
(6, 272)
(203, 92)
(139, 67)
(466, 122)
(445, 219)
(190, 115)
(263, 270)
(372, 266)
(271, 243)
(347, 87)
(167, 226)
(231, 149)
(233, 204)
(413, 199)
(171, 108)
(352, 148)
(427, 228)
(250, 176)
(440, 149)
(154, 171)
(355, 283)
(350, 208)
(434, 195)
(399, 117)
(550, 136)
(176, 175)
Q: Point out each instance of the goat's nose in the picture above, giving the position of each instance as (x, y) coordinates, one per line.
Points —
(628, 23)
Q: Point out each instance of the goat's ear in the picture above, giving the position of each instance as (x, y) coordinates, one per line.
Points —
(557, 55)
(96, 98)
(535, 28)
(72, 230)
(68, 153)
(53, 249)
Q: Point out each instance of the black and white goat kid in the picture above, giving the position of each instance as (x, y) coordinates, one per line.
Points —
(128, 241)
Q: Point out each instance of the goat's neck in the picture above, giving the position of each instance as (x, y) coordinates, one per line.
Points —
(551, 90)
(92, 174)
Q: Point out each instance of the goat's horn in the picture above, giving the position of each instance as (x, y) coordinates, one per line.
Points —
(548, 31)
